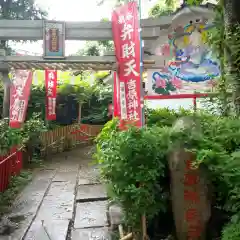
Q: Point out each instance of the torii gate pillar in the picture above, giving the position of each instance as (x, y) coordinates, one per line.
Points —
(6, 87)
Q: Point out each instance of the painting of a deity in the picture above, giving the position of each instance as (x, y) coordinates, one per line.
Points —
(191, 65)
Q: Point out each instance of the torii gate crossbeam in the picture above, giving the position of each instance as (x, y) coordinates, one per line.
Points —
(33, 29)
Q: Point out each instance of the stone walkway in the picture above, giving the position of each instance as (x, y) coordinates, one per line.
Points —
(68, 197)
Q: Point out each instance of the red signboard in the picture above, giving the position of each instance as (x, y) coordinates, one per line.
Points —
(19, 95)
(126, 37)
(54, 40)
(51, 93)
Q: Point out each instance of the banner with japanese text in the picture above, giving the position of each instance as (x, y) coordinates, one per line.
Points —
(51, 93)
(126, 38)
(19, 95)
(116, 100)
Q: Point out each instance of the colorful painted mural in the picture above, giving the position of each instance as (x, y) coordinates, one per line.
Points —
(190, 64)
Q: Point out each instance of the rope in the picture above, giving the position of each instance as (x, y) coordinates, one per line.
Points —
(11, 155)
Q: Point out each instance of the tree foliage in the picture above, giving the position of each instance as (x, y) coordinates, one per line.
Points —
(95, 48)
(19, 10)
(162, 9)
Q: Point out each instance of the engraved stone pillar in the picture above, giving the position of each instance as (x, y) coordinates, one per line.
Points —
(191, 203)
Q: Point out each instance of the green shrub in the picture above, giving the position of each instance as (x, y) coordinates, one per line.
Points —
(130, 162)
(231, 231)
(134, 163)
(17, 183)
(8, 137)
(30, 131)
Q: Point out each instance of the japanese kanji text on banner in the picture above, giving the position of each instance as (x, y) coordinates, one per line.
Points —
(51, 94)
(116, 101)
(19, 95)
(126, 37)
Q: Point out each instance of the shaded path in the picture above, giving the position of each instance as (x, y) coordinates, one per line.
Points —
(68, 197)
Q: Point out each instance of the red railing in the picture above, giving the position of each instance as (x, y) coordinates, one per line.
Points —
(10, 165)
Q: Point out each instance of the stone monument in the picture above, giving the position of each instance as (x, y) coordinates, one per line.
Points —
(190, 195)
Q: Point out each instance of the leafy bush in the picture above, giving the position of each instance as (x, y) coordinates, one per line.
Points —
(165, 117)
(10, 137)
(231, 231)
(17, 183)
(130, 161)
(33, 127)
(134, 163)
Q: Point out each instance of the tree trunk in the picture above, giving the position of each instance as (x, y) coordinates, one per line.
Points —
(232, 20)
(6, 98)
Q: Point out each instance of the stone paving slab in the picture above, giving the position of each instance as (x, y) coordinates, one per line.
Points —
(66, 177)
(88, 175)
(90, 234)
(90, 192)
(68, 167)
(28, 202)
(91, 214)
(58, 204)
(84, 181)
(56, 229)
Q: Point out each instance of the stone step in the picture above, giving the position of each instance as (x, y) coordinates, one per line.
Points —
(88, 174)
(27, 203)
(91, 233)
(91, 214)
(49, 230)
(91, 192)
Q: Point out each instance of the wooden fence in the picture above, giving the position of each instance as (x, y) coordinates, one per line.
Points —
(68, 137)
(54, 141)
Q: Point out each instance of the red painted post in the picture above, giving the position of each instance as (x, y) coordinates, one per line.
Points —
(5, 172)
(195, 103)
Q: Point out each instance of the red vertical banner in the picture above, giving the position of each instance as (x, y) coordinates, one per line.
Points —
(126, 38)
(51, 93)
(19, 95)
